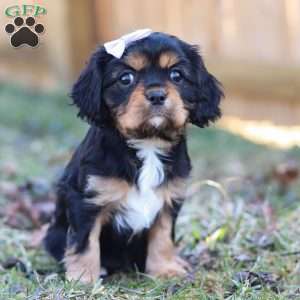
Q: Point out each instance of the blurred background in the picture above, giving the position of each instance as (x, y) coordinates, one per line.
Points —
(253, 47)
(250, 160)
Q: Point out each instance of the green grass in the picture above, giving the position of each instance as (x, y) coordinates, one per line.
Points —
(223, 222)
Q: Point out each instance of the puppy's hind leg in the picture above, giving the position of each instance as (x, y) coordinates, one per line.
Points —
(55, 240)
(82, 249)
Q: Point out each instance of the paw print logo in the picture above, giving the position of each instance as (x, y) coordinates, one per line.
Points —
(24, 33)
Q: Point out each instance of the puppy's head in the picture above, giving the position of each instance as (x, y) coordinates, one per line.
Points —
(157, 87)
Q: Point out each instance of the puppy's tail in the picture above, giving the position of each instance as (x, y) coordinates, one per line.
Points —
(56, 238)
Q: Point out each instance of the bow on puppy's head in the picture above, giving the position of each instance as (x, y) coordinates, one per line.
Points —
(117, 47)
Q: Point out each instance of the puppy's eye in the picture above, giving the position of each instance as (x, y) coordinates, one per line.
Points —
(127, 78)
(176, 76)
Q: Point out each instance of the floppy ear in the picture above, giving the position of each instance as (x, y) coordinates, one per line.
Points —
(207, 96)
(87, 90)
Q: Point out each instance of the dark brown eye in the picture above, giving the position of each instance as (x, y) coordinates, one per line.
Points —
(127, 78)
(175, 75)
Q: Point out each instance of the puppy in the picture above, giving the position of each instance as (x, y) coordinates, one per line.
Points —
(120, 194)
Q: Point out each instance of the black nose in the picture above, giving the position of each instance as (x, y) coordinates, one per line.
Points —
(156, 96)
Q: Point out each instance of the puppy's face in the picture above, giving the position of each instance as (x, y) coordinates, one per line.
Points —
(158, 85)
(145, 92)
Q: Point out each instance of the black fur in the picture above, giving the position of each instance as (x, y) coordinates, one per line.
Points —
(87, 91)
(104, 150)
(206, 93)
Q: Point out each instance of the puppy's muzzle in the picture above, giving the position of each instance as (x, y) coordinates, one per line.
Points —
(156, 96)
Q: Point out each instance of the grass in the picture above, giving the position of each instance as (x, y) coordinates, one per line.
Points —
(241, 230)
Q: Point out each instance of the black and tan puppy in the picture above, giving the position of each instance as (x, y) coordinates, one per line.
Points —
(121, 192)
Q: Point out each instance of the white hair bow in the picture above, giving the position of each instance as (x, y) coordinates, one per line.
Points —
(117, 47)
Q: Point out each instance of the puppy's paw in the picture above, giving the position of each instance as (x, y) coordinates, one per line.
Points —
(177, 267)
(85, 276)
(82, 267)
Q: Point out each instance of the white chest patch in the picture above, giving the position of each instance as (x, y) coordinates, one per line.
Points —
(142, 203)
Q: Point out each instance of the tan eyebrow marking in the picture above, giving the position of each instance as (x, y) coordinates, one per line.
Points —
(168, 59)
(136, 61)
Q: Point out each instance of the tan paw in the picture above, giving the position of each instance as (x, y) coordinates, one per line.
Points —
(82, 267)
(83, 276)
(169, 269)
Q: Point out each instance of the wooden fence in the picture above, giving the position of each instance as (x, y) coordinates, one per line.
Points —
(252, 45)
(252, 30)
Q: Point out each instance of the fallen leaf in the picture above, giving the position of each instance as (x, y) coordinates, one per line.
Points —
(286, 173)
(13, 262)
(218, 235)
(263, 241)
(33, 200)
(257, 279)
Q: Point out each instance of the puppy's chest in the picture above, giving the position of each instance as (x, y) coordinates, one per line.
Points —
(134, 206)
(143, 200)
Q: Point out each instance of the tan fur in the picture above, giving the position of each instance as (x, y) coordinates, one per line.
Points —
(136, 61)
(157, 142)
(132, 116)
(162, 260)
(167, 59)
(109, 190)
(175, 105)
(111, 194)
(114, 191)
(85, 266)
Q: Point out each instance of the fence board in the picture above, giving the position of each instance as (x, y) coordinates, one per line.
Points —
(256, 30)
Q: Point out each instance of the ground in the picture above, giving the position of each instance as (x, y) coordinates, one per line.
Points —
(240, 229)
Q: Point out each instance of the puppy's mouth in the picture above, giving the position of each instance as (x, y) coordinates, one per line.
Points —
(143, 119)
(158, 117)
(157, 121)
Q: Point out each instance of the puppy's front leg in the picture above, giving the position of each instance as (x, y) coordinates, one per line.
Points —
(82, 262)
(162, 260)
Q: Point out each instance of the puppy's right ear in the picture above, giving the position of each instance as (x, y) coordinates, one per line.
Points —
(87, 91)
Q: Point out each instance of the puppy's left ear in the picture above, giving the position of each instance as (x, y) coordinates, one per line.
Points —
(206, 103)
